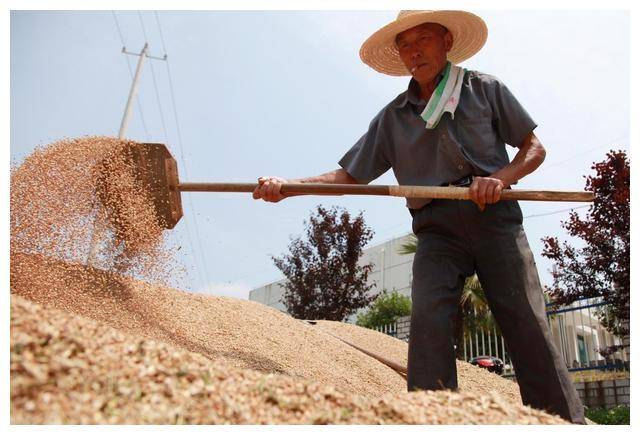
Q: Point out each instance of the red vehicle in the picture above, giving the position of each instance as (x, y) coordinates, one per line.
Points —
(490, 363)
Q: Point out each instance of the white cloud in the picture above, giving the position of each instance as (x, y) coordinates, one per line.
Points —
(238, 290)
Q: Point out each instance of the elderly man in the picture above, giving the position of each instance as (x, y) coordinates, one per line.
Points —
(450, 127)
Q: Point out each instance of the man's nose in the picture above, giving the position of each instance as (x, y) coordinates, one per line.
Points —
(415, 55)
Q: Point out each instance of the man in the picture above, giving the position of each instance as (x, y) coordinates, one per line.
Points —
(450, 128)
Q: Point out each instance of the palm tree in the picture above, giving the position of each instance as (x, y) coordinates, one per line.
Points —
(410, 246)
(474, 314)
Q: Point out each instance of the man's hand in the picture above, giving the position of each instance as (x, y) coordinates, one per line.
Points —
(485, 190)
(269, 189)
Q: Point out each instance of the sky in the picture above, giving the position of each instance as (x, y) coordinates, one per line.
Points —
(284, 93)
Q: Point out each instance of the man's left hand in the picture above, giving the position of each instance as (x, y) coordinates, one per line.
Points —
(485, 190)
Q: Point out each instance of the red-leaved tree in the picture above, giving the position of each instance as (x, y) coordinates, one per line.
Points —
(324, 279)
(602, 267)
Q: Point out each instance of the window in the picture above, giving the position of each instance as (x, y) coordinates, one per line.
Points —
(582, 350)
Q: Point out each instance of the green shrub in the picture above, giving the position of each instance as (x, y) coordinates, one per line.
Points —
(618, 415)
(385, 309)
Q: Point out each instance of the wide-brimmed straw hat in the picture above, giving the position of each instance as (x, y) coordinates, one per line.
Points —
(469, 32)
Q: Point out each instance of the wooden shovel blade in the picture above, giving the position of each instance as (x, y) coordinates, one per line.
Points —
(156, 172)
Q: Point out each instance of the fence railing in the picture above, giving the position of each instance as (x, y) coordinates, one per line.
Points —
(389, 329)
(578, 333)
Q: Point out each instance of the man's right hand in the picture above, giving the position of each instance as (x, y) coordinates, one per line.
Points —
(269, 189)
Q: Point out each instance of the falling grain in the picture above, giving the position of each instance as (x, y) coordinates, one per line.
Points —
(79, 201)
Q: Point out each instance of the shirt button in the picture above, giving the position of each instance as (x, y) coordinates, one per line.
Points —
(460, 167)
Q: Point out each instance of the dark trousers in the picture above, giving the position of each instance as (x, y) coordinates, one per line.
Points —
(455, 240)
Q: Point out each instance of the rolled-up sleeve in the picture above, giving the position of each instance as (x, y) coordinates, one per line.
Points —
(512, 121)
(368, 158)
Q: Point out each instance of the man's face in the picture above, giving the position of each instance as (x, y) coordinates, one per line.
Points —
(423, 49)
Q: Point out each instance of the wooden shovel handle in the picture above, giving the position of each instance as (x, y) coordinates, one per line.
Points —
(401, 191)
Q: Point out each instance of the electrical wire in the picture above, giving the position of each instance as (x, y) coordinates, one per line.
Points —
(201, 274)
(119, 29)
(561, 162)
(144, 31)
(556, 212)
(138, 105)
(182, 153)
(155, 84)
(404, 223)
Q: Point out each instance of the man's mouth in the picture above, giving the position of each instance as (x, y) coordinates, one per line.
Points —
(416, 67)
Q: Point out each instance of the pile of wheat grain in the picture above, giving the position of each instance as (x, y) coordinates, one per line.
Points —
(242, 333)
(68, 369)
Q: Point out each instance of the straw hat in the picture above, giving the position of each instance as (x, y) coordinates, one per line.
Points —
(380, 52)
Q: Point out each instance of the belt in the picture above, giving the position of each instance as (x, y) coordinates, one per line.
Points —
(461, 182)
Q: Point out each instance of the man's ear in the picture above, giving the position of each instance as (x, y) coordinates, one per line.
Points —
(448, 40)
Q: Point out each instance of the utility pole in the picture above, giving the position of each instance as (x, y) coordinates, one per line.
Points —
(134, 85)
(100, 227)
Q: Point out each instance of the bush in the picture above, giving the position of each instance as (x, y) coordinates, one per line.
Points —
(618, 415)
(385, 309)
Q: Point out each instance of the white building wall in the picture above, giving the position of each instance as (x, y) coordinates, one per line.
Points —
(391, 271)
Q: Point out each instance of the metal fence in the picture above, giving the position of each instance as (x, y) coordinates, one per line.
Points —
(389, 329)
(580, 336)
(578, 332)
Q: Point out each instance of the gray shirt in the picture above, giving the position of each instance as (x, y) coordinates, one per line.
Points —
(488, 116)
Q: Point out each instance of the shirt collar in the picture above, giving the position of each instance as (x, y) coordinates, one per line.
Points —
(412, 94)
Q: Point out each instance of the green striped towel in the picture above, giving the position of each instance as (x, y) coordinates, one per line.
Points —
(445, 97)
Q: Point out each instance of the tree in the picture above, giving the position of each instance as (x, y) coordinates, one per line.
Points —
(385, 309)
(324, 279)
(602, 267)
(410, 246)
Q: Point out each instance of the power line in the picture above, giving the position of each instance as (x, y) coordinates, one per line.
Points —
(138, 105)
(144, 31)
(200, 272)
(561, 162)
(381, 242)
(166, 138)
(182, 153)
(556, 212)
(155, 83)
(155, 86)
(164, 47)
(119, 29)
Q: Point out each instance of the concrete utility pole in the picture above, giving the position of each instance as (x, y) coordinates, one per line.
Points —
(134, 85)
(100, 227)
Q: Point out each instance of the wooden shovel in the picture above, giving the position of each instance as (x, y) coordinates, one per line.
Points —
(158, 171)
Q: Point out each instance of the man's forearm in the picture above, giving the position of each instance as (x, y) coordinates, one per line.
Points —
(528, 159)
(339, 176)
